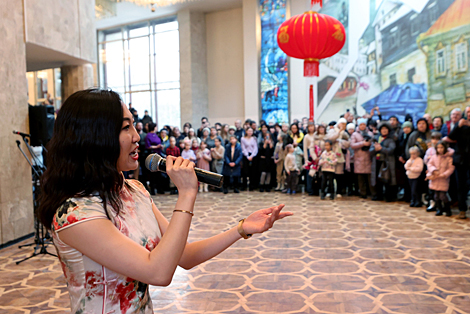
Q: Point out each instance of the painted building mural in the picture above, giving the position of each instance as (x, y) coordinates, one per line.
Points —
(413, 59)
(273, 63)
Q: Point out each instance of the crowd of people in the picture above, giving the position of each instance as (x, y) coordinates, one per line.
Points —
(420, 162)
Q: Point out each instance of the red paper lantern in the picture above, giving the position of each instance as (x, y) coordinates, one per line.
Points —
(311, 36)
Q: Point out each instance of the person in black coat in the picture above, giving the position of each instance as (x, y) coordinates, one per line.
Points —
(266, 161)
(232, 165)
(382, 151)
(461, 136)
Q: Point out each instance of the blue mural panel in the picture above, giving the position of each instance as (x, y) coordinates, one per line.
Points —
(401, 100)
(273, 63)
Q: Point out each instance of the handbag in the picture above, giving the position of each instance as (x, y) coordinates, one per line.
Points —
(384, 173)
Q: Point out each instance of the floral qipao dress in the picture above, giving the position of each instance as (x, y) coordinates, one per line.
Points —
(92, 287)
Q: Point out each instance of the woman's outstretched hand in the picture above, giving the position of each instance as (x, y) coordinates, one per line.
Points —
(263, 219)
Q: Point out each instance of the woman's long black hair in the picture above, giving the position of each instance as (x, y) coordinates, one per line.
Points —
(83, 152)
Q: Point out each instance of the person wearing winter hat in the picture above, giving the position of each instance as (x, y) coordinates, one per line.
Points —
(340, 139)
(351, 127)
(407, 124)
(350, 176)
(402, 180)
(362, 121)
(361, 141)
(383, 156)
(192, 136)
(341, 121)
(396, 128)
(419, 138)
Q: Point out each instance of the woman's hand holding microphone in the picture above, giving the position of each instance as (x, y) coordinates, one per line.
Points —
(181, 172)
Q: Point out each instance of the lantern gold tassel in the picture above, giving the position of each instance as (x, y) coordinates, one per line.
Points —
(317, 2)
(311, 67)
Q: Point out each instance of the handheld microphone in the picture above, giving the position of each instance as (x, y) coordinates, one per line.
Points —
(21, 133)
(155, 162)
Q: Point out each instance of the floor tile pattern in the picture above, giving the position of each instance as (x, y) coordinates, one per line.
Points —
(343, 256)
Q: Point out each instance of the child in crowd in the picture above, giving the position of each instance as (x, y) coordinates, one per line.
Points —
(203, 157)
(311, 167)
(431, 151)
(440, 168)
(195, 145)
(188, 153)
(181, 145)
(350, 128)
(173, 150)
(291, 169)
(279, 155)
(327, 163)
(414, 167)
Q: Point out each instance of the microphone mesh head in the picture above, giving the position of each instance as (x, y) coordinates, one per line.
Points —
(152, 161)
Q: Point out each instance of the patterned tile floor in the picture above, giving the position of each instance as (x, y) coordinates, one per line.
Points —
(344, 256)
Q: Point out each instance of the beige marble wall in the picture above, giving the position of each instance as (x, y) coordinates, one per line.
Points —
(66, 26)
(75, 78)
(86, 9)
(224, 31)
(193, 67)
(16, 210)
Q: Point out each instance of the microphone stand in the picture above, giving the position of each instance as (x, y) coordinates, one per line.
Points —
(40, 237)
(33, 156)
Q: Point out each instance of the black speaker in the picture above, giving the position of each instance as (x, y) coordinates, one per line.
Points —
(41, 124)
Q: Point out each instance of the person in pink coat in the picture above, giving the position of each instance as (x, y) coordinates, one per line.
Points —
(414, 166)
(360, 143)
(204, 157)
(431, 151)
(440, 168)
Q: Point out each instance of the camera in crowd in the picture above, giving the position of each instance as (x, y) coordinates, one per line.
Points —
(367, 138)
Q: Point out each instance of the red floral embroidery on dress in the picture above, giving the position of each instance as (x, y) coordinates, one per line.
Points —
(71, 218)
(126, 294)
(152, 243)
(126, 196)
(123, 228)
(93, 284)
(84, 277)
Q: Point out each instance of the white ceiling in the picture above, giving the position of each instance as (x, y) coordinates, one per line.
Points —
(127, 12)
(39, 58)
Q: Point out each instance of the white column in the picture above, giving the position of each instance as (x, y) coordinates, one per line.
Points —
(251, 54)
(75, 78)
(193, 67)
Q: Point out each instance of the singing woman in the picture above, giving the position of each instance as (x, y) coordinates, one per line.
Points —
(111, 239)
